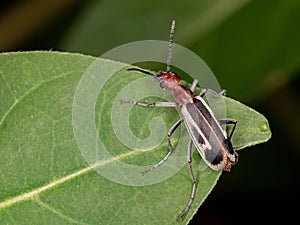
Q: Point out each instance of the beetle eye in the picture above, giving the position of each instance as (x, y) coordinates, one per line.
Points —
(162, 84)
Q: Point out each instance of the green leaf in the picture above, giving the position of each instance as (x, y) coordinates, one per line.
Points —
(44, 177)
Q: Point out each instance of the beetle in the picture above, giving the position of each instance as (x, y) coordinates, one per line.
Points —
(205, 130)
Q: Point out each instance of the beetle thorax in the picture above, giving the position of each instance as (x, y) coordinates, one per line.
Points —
(183, 95)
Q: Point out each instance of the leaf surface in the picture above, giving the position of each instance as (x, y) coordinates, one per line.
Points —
(44, 177)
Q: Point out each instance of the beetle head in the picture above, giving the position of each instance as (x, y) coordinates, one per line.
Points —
(167, 80)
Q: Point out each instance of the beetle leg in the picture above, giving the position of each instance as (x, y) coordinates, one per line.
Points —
(188, 206)
(215, 94)
(193, 86)
(171, 148)
(229, 121)
(159, 104)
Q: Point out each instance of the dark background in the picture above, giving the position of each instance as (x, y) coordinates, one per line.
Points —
(253, 47)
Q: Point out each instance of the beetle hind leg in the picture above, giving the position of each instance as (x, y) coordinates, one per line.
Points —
(188, 206)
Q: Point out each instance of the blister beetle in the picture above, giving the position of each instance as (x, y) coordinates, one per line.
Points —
(205, 130)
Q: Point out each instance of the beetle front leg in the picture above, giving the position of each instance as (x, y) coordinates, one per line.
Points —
(193, 86)
(158, 104)
(215, 94)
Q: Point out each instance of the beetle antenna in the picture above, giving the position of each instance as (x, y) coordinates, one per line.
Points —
(142, 71)
(170, 45)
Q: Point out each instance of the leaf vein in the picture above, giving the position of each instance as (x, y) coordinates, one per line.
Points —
(35, 87)
(7, 85)
(36, 192)
(60, 214)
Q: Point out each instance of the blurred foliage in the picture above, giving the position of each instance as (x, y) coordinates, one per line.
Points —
(242, 41)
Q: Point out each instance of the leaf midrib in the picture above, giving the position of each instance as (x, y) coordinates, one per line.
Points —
(37, 191)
